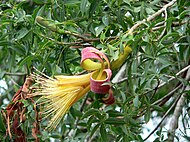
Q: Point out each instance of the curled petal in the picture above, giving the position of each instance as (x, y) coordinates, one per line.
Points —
(97, 85)
(100, 74)
(110, 99)
(89, 54)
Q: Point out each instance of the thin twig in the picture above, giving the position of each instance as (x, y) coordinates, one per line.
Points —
(79, 42)
(76, 35)
(62, 43)
(160, 23)
(164, 30)
(177, 74)
(174, 24)
(151, 17)
(156, 89)
(160, 101)
(157, 28)
(15, 74)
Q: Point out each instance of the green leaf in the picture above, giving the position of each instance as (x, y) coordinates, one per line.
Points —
(56, 136)
(149, 10)
(114, 113)
(132, 121)
(72, 2)
(2, 125)
(102, 37)
(26, 60)
(94, 129)
(147, 115)
(90, 112)
(154, 2)
(127, 2)
(136, 101)
(124, 129)
(105, 20)
(114, 120)
(169, 37)
(14, 46)
(123, 95)
(91, 120)
(75, 112)
(22, 33)
(93, 6)
(99, 29)
(42, 2)
(83, 6)
(142, 10)
(103, 133)
(184, 13)
(41, 10)
(25, 102)
(115, 55)
(131, 85)
(157, 108)
(169, 23)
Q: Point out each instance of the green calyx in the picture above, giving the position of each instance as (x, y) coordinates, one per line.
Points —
(48, 24)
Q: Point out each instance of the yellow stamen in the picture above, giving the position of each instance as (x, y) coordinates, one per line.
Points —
(60, 94)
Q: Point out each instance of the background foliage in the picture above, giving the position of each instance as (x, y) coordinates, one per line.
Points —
(160, 50)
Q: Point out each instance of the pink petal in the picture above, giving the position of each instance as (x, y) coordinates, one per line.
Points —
(110, 99)
(97, 85)
(90, 53)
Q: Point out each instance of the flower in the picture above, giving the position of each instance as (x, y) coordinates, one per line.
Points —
(102, 69)
(58, 94)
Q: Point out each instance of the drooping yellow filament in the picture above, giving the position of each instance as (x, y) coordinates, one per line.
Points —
(59, 94)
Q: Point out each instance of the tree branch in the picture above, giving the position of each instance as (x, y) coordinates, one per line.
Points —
(151, 17)
(118, 78)
(162, 100)
(163, 118)
(130, 32)
(54, 28)
(174, 24)
(164, 30)
(169, 80)
(177, 112)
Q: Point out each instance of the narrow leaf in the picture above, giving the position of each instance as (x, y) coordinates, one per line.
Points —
(90, 112)
(103, 133)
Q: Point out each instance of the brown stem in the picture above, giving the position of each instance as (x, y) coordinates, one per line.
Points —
(15, 74)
